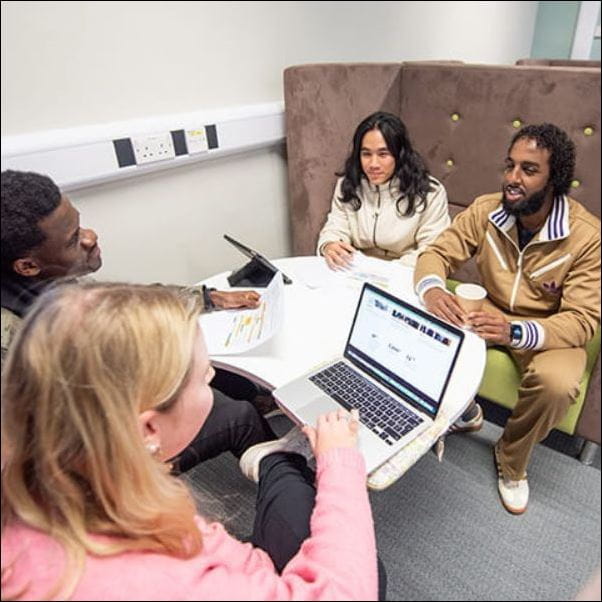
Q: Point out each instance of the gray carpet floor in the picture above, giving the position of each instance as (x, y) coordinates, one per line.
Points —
(442, 532)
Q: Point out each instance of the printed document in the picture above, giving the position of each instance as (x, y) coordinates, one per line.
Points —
(235, 331)
(362, 269)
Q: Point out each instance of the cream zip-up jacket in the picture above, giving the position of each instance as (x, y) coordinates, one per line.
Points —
(551, 287)
(378, 229)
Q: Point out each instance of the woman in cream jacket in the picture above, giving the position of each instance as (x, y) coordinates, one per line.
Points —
(385, 204)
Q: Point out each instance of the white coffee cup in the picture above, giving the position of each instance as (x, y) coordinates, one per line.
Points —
(470, 296)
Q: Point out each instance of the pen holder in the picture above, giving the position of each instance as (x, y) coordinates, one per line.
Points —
(254, 273)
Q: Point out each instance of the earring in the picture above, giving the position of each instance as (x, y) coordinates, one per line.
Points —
(153, 448)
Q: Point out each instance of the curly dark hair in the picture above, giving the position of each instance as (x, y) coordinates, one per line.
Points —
(27, 198)
(414, 180)
(562, 153)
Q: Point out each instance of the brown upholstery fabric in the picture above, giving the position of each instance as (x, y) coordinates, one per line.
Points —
(487, 101)
(559, 62)
(325, 102)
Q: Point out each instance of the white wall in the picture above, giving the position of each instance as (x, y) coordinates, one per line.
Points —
(76, 63)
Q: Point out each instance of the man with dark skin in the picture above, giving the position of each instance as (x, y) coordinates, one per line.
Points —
(43, 242)
(67, 249)
(538, 255)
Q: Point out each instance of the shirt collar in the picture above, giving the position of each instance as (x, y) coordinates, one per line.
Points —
(18, 293)
(555, 227)
(557, 224)
(502, 219)
(392, 186)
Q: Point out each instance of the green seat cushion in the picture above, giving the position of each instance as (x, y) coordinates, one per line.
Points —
(501, 379)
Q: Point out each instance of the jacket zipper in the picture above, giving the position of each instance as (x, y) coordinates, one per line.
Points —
(550, 266)
(519, 265)
(376, 216)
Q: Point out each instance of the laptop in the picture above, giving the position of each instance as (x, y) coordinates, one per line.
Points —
(395, 369)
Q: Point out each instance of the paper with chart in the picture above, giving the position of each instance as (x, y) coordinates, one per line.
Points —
(234, 331)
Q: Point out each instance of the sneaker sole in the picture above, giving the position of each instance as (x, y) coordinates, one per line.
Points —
(274, 444)
(251, 472)
(468, 429)
(500, 475)
(465, 429)
(275, 412)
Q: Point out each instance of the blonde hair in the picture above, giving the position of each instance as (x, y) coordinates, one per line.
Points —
(88, 360)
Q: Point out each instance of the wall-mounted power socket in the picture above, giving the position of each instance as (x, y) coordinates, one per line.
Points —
(196, 141)
(153, 147)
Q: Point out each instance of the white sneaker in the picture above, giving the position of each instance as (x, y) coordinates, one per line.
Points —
(468, 426)
(514, 494)
(294, 442)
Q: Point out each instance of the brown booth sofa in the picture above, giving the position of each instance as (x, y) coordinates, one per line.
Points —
(461, 118)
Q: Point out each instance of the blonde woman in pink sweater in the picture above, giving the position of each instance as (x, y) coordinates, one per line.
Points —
(103, 384)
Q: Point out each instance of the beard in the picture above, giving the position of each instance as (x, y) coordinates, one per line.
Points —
(527, 206)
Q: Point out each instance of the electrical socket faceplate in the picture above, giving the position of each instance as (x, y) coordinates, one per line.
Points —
(196, 141)
(154, 147)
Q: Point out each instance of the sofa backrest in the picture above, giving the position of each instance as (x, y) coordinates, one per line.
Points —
(461, 119)
(323, 105)
(560, 62)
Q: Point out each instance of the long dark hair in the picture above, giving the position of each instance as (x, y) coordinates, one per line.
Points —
(414, 180)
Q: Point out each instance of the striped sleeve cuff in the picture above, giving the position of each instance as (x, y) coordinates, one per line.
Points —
(428, 282)
(533, 335)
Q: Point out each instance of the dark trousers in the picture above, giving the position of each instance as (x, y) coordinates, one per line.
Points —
(234, 385)
(285, 501)
(232, 425)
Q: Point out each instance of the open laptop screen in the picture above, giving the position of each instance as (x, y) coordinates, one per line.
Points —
(406, 349)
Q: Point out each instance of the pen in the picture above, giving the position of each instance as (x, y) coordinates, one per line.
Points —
(231, 332)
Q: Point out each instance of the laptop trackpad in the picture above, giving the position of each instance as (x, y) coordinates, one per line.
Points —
(309, 413)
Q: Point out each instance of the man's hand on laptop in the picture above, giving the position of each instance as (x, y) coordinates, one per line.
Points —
(444, 305)
(335, 429)
(235, 299)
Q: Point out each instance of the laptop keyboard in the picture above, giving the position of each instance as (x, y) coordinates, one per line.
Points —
(380, 412)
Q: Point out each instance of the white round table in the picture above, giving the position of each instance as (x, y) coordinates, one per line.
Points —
(318, 311)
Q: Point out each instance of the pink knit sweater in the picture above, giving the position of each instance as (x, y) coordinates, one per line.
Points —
(337, 562)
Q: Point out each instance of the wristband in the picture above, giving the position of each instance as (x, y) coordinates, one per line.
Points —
(207, 301)
(516, 334)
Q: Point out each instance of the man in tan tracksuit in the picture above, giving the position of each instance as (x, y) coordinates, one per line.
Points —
(538, 254)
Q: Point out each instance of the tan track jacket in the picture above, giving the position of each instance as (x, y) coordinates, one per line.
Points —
(377, 228)
(551, 287)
